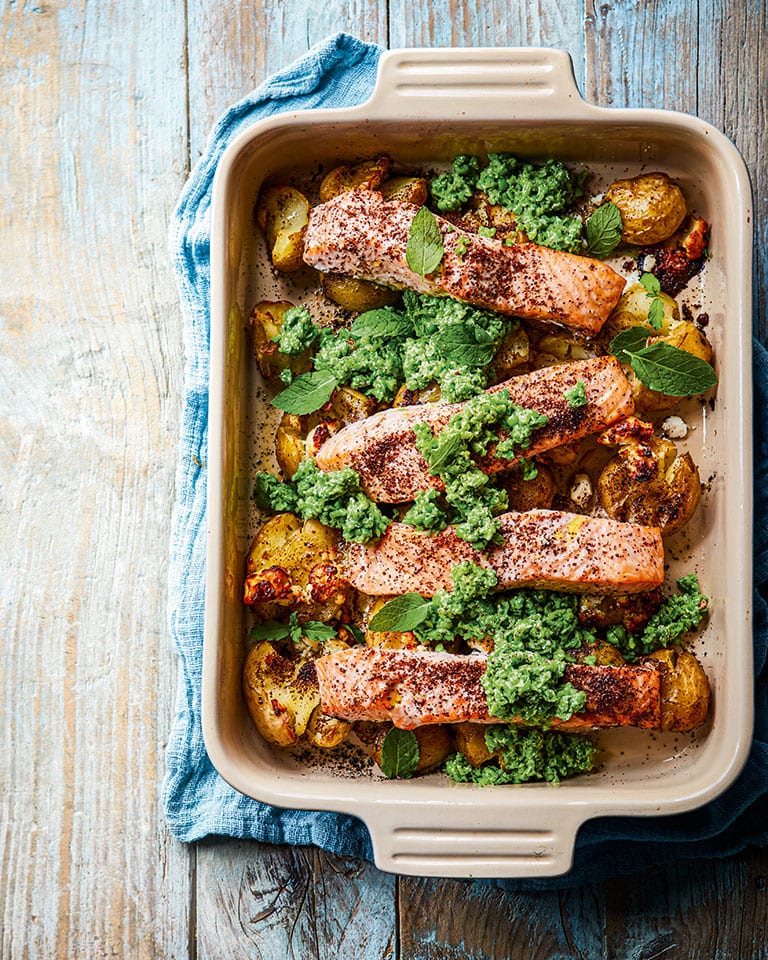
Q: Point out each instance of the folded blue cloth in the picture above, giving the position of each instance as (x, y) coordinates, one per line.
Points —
(342, 72)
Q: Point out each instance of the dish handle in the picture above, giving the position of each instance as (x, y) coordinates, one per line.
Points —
(539, 843)
(487, 83)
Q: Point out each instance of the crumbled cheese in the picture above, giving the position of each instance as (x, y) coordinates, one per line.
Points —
(649, 263)
(598, 199)
(675, 428)
(581, 490)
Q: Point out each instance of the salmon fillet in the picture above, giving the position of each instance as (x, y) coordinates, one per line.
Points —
(412, 688)
(359, 234)
(541, 548)
(382, 448)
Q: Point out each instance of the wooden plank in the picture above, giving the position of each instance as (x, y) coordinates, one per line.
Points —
(447, 23)
(93, 159)
(692, 909)
(232, 49)
(280, 903)
(733, 95)
(454, 920)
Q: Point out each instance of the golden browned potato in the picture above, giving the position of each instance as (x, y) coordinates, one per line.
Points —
(652, 207)
(357, 295)
(290, 444)
(511, 354)
(407, 189)
(559, 348)
(633, 611)
(266, 322)
(367, 175)
(281, 693)
(632, 311)
(326, 732)
(294, 565)
(651, 484)
(348, 405)
(535, 494)
(605, 654)
(411, 398)
(434, 742)
(470, 740)
(282, 214)
(685, 692)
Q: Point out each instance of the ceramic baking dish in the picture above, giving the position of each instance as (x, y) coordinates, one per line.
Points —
(428, 106)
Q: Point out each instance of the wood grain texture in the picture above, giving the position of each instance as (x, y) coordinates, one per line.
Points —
(234, 47)
(95, 153)
(460, 920)
(274, 903)
(446, 23)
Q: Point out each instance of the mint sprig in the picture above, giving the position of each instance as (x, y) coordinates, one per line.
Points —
(660, 366)
(381, 324)
(401, 614)
(311, 630)
(466, 346)
(307, 393)
(424, 249)
(399, 754)
(604, 230)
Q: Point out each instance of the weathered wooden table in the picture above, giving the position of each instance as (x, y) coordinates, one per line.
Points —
(104, 107)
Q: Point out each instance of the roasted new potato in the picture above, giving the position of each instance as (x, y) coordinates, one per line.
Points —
(470, 740)
(685, 692)
(283, 697)
(282, 214)
(632, 311)
(357, 295)
(511, 354)
(281, 693)
(652, 207)
(324, 731)
(632, 611)
(367, 175)
(559, 348)
(266, 322)
(294, 565)
(411, 398)
(407, 189)
(650, 483)
(434, 743)
(535, 494)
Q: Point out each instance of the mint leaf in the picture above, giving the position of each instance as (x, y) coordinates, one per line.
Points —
(465, 346)
(629, 341)
(651, 284)
(604, 230)
(382, 324)
(307, 393)
(271, 630)
(399, 753)
(656, 313)
(402, 613)
(315, 630)
(424, 250)
(670, 370)
(357, 633)
(445, 452)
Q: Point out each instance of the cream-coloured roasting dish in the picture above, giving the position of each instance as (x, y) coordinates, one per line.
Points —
(428, 106)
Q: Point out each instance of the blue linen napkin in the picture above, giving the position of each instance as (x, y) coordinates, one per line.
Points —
(342, 72)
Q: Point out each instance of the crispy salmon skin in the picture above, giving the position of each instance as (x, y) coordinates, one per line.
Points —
(360, 234)
(381, 448)
(541, 548)
(412, 688)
